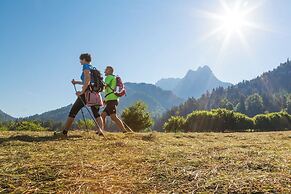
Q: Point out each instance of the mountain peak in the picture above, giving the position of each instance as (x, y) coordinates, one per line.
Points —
(202, 70)
(194, 84)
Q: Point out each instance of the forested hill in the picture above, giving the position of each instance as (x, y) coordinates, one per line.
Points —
(5, 117)
(269, 92)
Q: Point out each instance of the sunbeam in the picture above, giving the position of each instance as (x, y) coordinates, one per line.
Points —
(233, 22)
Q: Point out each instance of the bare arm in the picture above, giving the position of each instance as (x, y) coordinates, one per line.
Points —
(77, 82)
(87, 80)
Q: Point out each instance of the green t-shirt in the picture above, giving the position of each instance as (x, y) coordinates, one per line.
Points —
(111, 81)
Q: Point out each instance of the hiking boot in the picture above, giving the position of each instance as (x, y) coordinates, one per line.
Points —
(63, 133)
(100, 133)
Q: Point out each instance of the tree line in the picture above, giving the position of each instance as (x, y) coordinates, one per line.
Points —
(223, 120)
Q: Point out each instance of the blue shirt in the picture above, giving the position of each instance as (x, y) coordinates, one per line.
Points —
(86, 67)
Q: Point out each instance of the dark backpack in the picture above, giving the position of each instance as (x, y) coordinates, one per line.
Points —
(98, 85)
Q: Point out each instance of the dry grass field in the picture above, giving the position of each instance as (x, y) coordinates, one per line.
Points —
(36, 162)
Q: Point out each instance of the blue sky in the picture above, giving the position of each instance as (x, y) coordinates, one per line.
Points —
(145, 40)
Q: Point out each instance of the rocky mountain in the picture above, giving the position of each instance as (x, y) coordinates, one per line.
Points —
(193, 84)
(5, 117)
(157, 99)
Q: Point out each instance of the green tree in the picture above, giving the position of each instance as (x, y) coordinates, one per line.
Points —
(225, 103)
(175, 124)
(254, 105)
(241, 107)
(137, 116)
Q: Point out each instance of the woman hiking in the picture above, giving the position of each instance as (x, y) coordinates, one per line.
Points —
(86, 80)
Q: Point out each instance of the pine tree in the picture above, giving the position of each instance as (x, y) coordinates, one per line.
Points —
(254, 104)
(241, 107)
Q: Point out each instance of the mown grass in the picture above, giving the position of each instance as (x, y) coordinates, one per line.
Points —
(36, 162)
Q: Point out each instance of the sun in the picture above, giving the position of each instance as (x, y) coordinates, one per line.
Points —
(232, 21)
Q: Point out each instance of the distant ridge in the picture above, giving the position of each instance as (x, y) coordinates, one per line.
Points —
(5, 117)
(157, 99)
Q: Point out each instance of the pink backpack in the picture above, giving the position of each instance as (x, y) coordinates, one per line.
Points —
(93, 98)
(120, 90)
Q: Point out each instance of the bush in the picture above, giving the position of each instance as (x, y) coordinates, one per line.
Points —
(175, 124)
(26, 126)
(137, 117)
(273, 121)
(52, 125)
(88, 123)
(3, 128)
(217, 120)
(220, 120)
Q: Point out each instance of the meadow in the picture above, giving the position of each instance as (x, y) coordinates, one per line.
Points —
(37, 162)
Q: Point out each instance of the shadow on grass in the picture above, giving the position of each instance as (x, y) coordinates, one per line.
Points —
(27, 138)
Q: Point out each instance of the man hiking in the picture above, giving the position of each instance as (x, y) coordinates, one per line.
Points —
(86, 77)
(111, 99)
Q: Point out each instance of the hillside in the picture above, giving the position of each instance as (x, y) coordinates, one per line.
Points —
(269, 85)
(193, 84)
(5, 117)
(33, 162)
(158, 101)
(272, 92)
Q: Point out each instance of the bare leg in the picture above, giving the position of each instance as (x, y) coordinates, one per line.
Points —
(118, 122)
(103, 116)
(69, 123)
(100, 124)
(67, 127)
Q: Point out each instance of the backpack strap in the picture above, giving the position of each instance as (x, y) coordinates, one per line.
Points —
(108, 85)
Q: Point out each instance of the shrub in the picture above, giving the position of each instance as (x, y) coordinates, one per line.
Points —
(217, 120)
(88, 123)
(273, 121)
(26, 126)
(52, 125)
(3, 127)
(175, 124)
(137, 117)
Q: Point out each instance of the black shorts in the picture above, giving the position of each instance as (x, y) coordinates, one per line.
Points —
(79, 104)
(111, 107)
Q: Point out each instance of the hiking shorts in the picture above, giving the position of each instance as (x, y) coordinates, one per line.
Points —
(111, 107)
(79, 104)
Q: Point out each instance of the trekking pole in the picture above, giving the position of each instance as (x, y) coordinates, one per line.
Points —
(124, 123)
(96, 123)
(82, 111)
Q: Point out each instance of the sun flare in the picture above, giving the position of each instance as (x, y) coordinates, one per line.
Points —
(233, 21)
